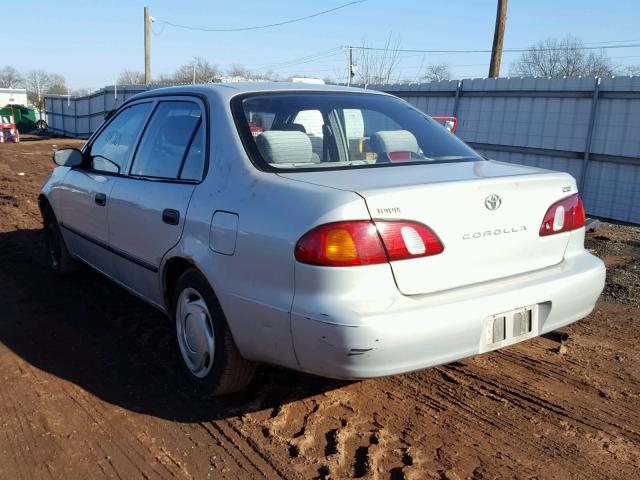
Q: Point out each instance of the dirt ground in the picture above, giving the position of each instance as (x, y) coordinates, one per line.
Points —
(91, 387)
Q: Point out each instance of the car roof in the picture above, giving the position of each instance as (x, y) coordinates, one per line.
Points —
(228, 90)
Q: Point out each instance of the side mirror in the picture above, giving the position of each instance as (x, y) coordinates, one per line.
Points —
(68, 157)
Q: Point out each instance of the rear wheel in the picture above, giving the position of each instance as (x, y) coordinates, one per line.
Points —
(205, 345)
(58, 256)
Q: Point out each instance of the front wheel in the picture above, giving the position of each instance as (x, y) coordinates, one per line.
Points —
(205, 345)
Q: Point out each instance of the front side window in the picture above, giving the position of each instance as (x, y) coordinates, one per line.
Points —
(164, 149)
(341, 130)
(111, 149)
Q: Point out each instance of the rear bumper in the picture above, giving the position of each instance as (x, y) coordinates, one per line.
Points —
(353, 340)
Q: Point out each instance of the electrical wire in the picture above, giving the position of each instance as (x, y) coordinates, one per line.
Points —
(604, 47)
(302, 60)
(258, 27)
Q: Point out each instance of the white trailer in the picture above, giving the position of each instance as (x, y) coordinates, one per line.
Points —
(13, 96)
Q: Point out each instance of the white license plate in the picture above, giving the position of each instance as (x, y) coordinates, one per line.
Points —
(509, 327)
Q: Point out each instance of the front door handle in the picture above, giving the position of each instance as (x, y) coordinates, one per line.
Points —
(171, 216)
(101, 199)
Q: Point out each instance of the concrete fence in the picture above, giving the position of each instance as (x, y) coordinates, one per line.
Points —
(585, 126)
(79, 117)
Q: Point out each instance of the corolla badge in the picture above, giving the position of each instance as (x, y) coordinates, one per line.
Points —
(493, 202)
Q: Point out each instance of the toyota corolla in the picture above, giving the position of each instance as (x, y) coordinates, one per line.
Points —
(330, 230)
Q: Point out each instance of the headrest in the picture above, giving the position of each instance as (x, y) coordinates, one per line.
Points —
(294, 127)
(393, 141)
(279, 146)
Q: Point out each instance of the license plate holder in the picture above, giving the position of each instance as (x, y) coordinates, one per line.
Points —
(510, 327)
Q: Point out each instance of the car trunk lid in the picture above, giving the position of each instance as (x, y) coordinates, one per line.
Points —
(487, 214)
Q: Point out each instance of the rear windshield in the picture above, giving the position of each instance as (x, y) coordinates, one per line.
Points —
(328, 130)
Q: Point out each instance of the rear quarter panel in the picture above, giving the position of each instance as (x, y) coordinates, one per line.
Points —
(255, 285)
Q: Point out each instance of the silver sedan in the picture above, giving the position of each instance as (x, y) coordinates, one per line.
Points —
(331, 230)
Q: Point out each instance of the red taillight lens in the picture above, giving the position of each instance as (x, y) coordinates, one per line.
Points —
(409, 240)
(563, 216)
(364, 242)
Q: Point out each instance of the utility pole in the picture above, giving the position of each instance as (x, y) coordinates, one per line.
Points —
(147, 48)
(350, 72)
(498, 39)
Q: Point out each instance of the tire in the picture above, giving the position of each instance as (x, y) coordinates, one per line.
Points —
(205, 346)
(59, 259)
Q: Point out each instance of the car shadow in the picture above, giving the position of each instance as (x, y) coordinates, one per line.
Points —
(88, 331)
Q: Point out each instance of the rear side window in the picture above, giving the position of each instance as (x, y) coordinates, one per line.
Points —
(111, 149)
(165, 145)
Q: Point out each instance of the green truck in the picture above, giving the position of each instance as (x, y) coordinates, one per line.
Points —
(24, 117)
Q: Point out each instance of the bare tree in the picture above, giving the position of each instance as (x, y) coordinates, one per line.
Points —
(80, 92)
(377, 66)
(57, 84)
(597, 65)
(437, 72)
(561, 57)
(40, 82)
(131, 77)
(10, 78)
(37, 82)
(165, 79)
(631, 70)
(237, 70)
(269, 75)
(198, 70)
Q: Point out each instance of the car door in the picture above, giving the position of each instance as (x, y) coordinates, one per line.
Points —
(147, 207)
(83, 200)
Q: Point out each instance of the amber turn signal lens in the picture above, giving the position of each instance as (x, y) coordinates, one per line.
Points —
(339, 246)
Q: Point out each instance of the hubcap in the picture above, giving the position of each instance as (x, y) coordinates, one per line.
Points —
(195, 332)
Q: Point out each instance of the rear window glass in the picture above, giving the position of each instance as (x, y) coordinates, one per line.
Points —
(315, 130)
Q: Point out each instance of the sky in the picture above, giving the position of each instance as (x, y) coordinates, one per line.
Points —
(90, 42)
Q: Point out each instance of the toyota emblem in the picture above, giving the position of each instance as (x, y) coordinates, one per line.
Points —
(493, 202)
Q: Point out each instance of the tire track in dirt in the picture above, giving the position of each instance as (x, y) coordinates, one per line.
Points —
(522, 394)
(494, 390)
(121, 444)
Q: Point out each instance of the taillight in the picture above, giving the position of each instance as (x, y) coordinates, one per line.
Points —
(365, 242)
(408, 240)
(563, 216)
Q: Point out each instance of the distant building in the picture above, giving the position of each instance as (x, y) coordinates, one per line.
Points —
(311, 80)
(237, 79)
(13, 96)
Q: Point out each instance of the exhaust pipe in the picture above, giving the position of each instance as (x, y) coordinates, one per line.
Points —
(557, 336)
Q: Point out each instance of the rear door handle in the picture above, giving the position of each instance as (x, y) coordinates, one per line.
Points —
(171, 216)
(101, 199)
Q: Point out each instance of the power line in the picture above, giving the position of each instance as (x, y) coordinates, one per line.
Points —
(258, 27)
(306, 59)
(604, 47)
